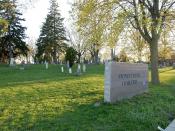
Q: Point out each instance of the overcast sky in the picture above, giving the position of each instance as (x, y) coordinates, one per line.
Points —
(36, 15)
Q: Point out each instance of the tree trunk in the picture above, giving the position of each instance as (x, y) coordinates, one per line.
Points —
(55, 56)
(154, 61)
(79, 57)
(112, 54)
(96, 57)
(10, 54)
(4, 58)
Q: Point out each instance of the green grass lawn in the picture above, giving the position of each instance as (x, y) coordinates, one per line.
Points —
(37, 99)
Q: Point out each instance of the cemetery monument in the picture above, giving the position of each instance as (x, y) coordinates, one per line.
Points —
(124, 80)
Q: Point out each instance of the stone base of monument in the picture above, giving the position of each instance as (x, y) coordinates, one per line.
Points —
(124, 80)
(171, 127)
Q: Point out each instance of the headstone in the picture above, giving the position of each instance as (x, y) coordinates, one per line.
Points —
(78, 70)
(124, 80)
(84, 68)
(160, 66)
(79, 66)
(171, 126)
(22, 65)
(12, 60)
(97, 104)
(68, 65)
(173, 65)
(47, 65)
(70, 71)
(62, 69)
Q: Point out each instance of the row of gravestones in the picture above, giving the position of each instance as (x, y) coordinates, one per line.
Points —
(12, 64)
(69, 68)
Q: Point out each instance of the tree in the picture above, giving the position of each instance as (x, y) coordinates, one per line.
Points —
(147, 16)
(138, 45)
(78, 43)
(122, 57)
(165, 48)
(32, 50)
(3, 26)
(52, 37)
(71, 55)
(91, 29)
(3, 22)
(12, 42)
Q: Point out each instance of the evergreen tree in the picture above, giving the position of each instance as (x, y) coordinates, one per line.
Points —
(52, 37)
(12, 42)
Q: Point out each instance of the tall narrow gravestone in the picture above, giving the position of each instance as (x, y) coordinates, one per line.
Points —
(68, 65)
(62, 69)
(124, 80)
(12, 60)
(70, 70)
(84, 68)
(47, 65)
(79, 69)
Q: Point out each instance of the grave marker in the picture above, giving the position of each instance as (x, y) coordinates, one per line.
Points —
(62, 69)
(174, 65)
(70, 71)
(79, 69)
(47, 66)
(12, 61)
(124, 80)
(68, 65)
(84, 68)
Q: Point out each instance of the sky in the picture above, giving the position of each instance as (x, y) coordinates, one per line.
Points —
(36, 15)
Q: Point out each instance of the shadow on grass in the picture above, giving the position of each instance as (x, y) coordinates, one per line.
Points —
(141, 113)
(144, 113)
(68, 104)
(166, 70)
(38, 74)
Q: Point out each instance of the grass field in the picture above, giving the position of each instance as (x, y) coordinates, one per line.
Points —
(37, 99)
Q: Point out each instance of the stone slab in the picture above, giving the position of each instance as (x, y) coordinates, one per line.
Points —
(124, 80)
(171, 127)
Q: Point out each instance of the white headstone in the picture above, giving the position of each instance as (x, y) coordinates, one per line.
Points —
(12, 60)
(70, 71)
(79, 67)
(62, 69)
(84, 68)
(47, 66)
(21, 68)
(173, 65)
(124, 80)
(68, 66)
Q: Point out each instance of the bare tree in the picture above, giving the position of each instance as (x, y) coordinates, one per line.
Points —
(77, 42)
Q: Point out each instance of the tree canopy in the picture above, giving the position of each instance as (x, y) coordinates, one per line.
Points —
(51, 41)
(149, 17)
(12, 37)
